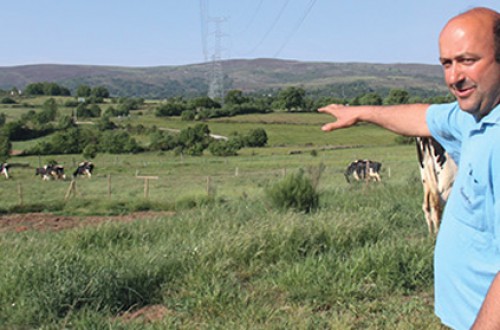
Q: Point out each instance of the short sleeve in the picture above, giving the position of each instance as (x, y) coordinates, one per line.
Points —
(447, 123)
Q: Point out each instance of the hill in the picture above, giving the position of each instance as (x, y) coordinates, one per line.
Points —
(250, 76)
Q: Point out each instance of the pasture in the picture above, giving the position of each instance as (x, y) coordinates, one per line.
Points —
(223, 258)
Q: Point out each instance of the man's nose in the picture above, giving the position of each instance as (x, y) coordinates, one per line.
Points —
(455, 74)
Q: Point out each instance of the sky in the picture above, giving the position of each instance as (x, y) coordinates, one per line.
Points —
(145, 33)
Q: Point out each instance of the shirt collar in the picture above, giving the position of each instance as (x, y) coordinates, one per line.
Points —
(493, 117)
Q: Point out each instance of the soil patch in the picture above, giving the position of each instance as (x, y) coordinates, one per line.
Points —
(52, 222)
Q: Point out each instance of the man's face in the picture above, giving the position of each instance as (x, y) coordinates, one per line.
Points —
(470, 70)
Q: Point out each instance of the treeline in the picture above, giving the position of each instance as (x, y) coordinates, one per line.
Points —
(67, 137)
(289, 99)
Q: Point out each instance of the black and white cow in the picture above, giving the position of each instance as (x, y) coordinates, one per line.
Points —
(49, 172)
(437, 171)
(84, 168)
(4, 169)
(363, 169)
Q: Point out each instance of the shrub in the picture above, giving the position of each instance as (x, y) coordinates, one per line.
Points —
(7, 100)
(188, 115)
(295, 191)
(170, 109)
(404, 139)
(224, 148)
(256, 138)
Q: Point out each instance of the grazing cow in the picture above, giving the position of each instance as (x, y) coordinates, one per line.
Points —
(43, 172)
(49, 172)
(437, 170)
(84, 168)
(363, 169)
(4, 169)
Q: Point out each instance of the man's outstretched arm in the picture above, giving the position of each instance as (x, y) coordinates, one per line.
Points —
(404, 119)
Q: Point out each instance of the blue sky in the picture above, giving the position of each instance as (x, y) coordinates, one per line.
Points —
(176, 32)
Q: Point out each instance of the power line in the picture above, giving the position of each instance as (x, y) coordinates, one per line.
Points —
(252, 17)
(282, 10)
(296, 28)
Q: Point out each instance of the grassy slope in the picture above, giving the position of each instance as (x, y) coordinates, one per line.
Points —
(233, 264)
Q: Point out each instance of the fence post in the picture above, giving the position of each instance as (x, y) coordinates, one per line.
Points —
(146, 183)
(20, 192)
(208, 186)
(146, 188)
(71, 189)
(109, 185)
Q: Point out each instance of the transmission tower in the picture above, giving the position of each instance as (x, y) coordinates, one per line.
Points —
(216, 75)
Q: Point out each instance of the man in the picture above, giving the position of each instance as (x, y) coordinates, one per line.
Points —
(467, 253)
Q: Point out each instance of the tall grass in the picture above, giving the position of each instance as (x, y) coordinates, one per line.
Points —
(362, 261)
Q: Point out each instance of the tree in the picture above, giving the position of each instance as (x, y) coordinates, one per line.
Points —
(170, 109)
(105, 124)
(100, 91)
(292, 98)
(116, 142)
(65, 122)
(160, 140)
(370, 99)
(256, 138)
(204, 102)
(235, 97)
(193, 140)
(46, 88)
(48, 113)
(397, 96)
(7, 100)
(83, 91)
(90, 151)
(224, 148)
(34, 89)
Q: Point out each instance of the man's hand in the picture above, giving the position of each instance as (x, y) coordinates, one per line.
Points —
(403, 119)
(346, 116)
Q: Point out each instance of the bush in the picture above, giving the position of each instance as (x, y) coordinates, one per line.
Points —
(404, 139)
(256, 138)
(7, 100)
(296, 192)
(116, 142)
(188, 115)
(224, 148)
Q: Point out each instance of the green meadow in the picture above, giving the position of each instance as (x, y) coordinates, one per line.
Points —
(224, 257)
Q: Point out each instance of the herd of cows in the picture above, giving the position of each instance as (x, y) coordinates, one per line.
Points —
(437, 170)
(54, 172)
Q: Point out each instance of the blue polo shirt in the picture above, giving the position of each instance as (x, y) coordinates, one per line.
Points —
(467, 253)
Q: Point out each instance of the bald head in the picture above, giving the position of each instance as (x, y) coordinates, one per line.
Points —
(482, 22)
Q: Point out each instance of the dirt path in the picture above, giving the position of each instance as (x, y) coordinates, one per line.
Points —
(52, 222)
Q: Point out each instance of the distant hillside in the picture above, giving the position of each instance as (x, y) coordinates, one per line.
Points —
(250, 76)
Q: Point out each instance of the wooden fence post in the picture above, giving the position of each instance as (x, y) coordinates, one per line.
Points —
(71, 189)
(109, 185)
(20, 192)
(146, 188)
(146, 183)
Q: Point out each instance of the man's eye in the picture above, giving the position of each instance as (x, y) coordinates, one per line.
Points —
(446, 64)
(468, 61)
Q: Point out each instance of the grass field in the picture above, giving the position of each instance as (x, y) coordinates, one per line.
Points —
(225, 259)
